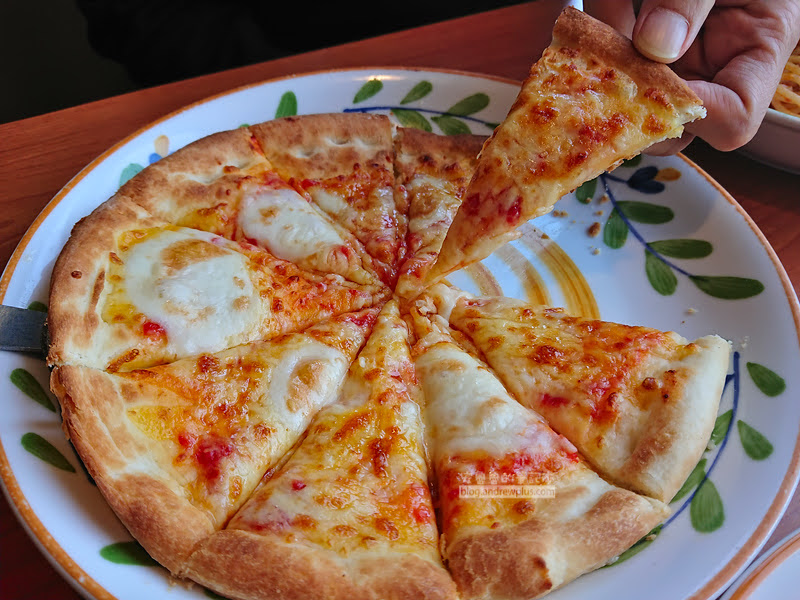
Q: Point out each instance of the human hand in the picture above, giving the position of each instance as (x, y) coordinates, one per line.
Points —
(731, 52)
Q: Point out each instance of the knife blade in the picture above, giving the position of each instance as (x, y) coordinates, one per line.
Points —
(23, 330)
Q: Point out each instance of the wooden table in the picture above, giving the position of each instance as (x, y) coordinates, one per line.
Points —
(39, 155)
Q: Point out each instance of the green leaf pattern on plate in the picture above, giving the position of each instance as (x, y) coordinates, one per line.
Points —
(469, 105)
(706, 511)
(287, 107)
(368, 90)
(659, 275)
(721, 426)
(412, 118)
(419, 91)
(586, 190)
(728, 288)
(615, 232)
(27, 383)
(682, 248)
(755, 445)
(44, 450)
(450, 125)
(38, 306)
(645, 212)
(768, 381)
(129, 172)
(662, 277)
(693, 480)
(127, 553)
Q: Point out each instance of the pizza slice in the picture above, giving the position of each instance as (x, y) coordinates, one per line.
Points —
(521, 511)
(638, 403)
(224, 184)
(349, 515)
(343, 163)
(129, 291)
(432, 172)
(590, 102)
(176, 449)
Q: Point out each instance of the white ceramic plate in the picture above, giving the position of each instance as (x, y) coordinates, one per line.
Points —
(675, 243)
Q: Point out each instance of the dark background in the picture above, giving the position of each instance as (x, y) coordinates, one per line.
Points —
(48, 62)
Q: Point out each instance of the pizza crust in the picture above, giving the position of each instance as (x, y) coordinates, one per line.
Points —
(147, 499)
(75, 325)
(576, 29)
(539, 555)
(232, 562)
(201, 182)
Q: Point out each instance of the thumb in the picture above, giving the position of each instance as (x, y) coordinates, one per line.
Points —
(666, 28)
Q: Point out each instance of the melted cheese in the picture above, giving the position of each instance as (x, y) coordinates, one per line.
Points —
(471, 411)
(200, 292)
(282, 221)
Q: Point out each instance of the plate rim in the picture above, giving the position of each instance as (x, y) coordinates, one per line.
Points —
(86, 585)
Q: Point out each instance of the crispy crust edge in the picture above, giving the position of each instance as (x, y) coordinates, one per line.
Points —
(233, 562)
(576, 29)
(166, 524)
(325, 145)
(78, 277)
(554, 552)
(678, 434)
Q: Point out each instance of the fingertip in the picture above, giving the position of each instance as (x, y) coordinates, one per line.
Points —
(662, 34)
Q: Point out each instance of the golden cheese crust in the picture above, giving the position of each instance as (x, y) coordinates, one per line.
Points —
(79, 280)
(176, 450)
(576, 29)
(536, 556)
(201, 184)
(232, 562)
(147, 500)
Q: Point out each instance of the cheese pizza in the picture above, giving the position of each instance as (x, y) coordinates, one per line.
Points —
(349, 514)
(639, 404)
(501, 538)
(589, 102)
(432, 173)
(254, 366)
(177, 448)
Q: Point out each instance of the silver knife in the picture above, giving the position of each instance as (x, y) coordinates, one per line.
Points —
(23, 330)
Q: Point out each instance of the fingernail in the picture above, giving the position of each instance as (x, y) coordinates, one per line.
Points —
(662, 34)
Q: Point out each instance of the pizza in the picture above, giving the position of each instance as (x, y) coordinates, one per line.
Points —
(590, 102)
(513, 546)
(177, 448)
(432, 175)
(639, 404)
(350, 513)
(254, 367)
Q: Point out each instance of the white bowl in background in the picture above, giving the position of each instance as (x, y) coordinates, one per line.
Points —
(777, 142)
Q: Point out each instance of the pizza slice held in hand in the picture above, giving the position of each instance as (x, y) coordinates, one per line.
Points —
(349, 514)
(343, 164)
(138, 292)
(521, 511)
(432, 172)
(176, 449)
(638, 403)
(590, 102)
